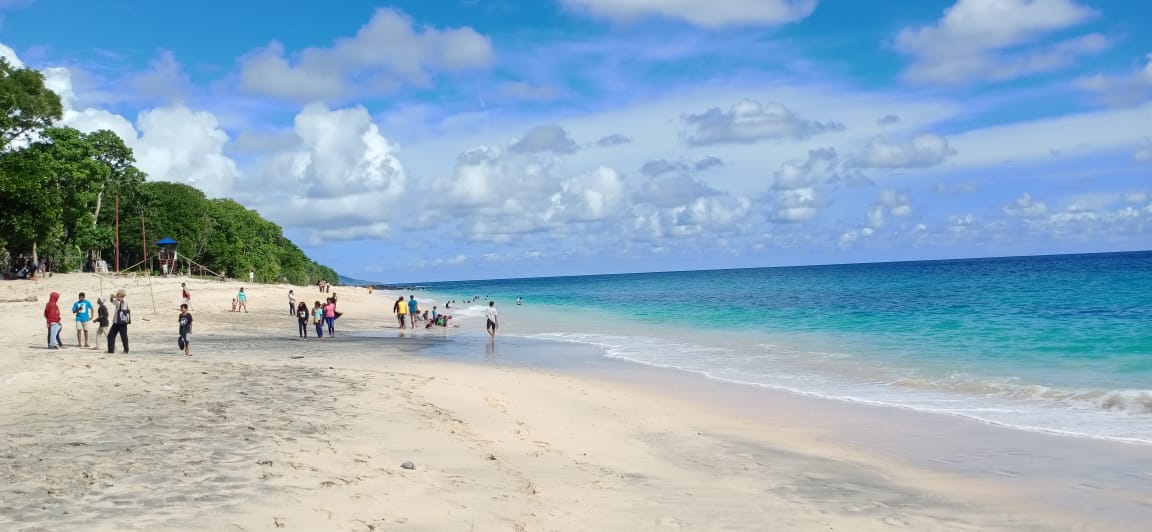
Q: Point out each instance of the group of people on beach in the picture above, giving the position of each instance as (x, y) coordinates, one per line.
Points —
(109, 325)
(321, 315)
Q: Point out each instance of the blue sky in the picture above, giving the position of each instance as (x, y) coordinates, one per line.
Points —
(464, 139)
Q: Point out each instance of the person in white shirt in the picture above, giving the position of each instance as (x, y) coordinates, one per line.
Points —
(493, 319)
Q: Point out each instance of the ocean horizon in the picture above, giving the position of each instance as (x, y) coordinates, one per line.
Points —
(1049, 343)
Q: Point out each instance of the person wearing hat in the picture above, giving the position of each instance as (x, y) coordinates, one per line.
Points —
(120, 321)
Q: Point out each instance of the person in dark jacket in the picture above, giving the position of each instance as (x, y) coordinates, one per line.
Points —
(101, 320)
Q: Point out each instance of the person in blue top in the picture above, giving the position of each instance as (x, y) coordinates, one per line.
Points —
(413, 310)
(83, 311)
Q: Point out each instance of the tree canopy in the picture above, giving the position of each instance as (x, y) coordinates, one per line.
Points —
(56, 184)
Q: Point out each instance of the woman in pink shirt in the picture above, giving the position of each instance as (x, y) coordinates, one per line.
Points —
(330, 317)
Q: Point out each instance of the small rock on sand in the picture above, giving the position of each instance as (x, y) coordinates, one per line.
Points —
(408, 465)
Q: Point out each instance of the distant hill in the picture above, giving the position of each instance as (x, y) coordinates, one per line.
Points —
(348, 281)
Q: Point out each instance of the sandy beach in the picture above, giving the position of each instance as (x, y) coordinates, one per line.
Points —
(260, 431)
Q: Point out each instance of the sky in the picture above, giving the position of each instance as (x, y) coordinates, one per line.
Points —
(469, 139)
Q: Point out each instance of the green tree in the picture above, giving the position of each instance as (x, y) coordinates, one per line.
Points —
(30, 201)
(26, 105)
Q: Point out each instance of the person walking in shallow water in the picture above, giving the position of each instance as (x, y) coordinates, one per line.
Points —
(493, 319)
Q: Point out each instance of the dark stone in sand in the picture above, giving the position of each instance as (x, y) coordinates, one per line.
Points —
(408, 465)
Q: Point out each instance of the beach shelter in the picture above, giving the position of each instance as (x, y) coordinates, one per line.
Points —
(167, 255)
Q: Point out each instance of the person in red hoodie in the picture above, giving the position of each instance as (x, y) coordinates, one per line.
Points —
(52, 316)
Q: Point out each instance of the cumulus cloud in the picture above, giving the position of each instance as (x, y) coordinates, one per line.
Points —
(338, 153)
(614, 139)
(888, 203)
(715, 14)
(748, 122)
(547, 138)
(922, 151)
(10, 55)
(171, 143)
(1025, 207)
(386, 52)
(996, 40)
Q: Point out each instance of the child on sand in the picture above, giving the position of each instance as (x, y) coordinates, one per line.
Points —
(318, 319)
(242, 298)
(233, 304)
(302, 318)
(101, 319)
(185, 330)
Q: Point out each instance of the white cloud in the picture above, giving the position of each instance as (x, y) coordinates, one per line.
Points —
(1142, 154)
(996, 40)
(545, 138)
(1123, 90)
(714, 14)
(10, 55)
(171, 143)
(1025, 207)
(921, 151)
(339, 169)
(386, 52)
(749, 121)
(179, 144)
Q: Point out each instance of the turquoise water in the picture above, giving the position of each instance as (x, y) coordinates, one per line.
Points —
(1054, 343)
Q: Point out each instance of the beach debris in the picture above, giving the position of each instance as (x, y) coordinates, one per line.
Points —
(491, 456)
(264, 462)
(294, 357)
(276, 522)
(408, 465)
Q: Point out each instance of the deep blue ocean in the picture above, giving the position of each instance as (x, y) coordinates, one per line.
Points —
(1051, 343)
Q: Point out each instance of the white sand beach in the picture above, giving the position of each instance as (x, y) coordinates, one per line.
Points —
(260, 431)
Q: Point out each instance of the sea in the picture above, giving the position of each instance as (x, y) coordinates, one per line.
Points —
(1059, 344)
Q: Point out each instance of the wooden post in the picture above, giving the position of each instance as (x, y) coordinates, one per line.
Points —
(117, 233)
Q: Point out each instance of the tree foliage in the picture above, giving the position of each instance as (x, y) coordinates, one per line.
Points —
(26, 105)
(57, 183)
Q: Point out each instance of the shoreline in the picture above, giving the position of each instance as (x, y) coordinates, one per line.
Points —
(260, 431)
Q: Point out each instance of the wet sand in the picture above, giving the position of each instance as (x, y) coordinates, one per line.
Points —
(260, 431)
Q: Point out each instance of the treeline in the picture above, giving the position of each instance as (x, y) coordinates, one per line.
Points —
(59, 188)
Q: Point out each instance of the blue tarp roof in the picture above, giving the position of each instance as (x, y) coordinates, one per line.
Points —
(165, 242)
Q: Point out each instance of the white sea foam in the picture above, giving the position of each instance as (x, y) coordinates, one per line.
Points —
(1107, 414)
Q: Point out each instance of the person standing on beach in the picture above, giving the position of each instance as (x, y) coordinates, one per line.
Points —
(318, 319)
(302, 317)
(251, 276)
(52, 316)
(185, 297)
(83, 311)
(186, 330)
(330, 317)
(120, 322)
(413, 310)
(101, 319)
(242, 300)
(291, 303)
(401, 310)
(493, 319)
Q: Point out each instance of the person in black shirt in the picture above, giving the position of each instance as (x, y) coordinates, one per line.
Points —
(185, 330)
